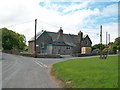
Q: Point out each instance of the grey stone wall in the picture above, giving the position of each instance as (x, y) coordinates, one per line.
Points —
(42, 41)
(31, 47)
(86, 42)
(49, 49)
(76, 49)
(63, 50)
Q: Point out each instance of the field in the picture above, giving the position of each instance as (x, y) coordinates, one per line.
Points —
(88, 72)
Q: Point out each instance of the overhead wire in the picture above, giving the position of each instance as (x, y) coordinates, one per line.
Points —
(45, 23)
(19, 23)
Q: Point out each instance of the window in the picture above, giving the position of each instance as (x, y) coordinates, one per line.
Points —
(42, 45)
(67, 47)
(86, 43)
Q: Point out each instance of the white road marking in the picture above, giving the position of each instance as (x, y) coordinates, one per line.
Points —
(41, 64)
(38, 64)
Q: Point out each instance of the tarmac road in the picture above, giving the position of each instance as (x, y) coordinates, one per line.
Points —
(26, 72)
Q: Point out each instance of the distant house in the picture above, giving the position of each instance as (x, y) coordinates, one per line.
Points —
(59, 43)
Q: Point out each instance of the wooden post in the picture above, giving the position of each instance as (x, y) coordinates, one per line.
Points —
(106, 38)
(35, 53)
(101, 41)
(109, 38)
(107, 44)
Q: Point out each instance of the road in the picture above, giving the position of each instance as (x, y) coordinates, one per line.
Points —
(0, 70)
(26, 72)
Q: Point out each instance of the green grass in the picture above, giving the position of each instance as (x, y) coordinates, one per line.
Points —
(88, 72)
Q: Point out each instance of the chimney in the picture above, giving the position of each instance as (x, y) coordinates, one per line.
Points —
(80, 36)
(60, 35)
(60, 31)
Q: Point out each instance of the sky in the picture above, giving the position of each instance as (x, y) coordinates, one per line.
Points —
(73, 16)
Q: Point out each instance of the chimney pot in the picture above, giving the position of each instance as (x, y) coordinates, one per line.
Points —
(60, 27)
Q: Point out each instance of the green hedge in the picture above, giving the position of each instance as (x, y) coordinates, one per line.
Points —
(42, 55)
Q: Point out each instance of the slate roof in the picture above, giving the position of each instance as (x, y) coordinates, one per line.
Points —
(69, 39)
(37, 35)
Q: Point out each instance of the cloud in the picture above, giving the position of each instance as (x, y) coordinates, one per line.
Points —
(111, 10)
(80, 0)
(13, 11)
(82, 5)
(94, 33)
(50, 17)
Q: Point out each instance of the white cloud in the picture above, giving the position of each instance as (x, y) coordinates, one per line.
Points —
(77, 6)
(18, 11)
(112, 29)
(94, 33)
(81, 0)
(110, 10)
(13, 11)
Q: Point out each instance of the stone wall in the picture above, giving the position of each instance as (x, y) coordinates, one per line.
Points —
(31, 47)
(42, 41)
(63, 50)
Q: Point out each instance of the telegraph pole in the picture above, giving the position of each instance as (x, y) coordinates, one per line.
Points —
(101, 41)
(107, 52)
(109, 37)
(35, 53)
(106, 38)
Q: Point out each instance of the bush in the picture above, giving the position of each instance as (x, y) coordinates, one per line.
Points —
(42, 55)
(48, 56)
(16, 52)
(80, 55)
(76, 54)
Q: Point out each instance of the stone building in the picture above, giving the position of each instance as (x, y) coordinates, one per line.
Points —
(59, 43)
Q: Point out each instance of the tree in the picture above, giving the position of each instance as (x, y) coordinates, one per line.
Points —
(117, 41)
(0, 40)
(98, 46)
(12, 40)
(112, 47)
(116, 45)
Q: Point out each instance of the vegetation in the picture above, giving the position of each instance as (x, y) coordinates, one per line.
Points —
(0, 40)
(116, 45)
(88, 72)
(112, 47)
(12, 40)
(97, 46)
(41, 55)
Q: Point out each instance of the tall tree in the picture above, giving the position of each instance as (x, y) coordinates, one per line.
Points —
(97, 46)
(117, 41)
(116, 45)
(12, 40)
(0, 40)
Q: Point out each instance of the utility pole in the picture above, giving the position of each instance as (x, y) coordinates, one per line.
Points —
(109, 37)
(106, 38)
(35, 53)
(107, 44)
(101, 41)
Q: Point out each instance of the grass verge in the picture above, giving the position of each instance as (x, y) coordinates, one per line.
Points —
(88, 72)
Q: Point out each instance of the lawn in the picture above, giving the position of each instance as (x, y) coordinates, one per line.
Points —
(88, 72)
